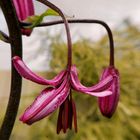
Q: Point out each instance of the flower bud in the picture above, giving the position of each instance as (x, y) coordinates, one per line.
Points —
(109, 103)
(24, 9)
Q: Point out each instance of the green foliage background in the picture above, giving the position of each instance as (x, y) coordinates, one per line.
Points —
(90, 58)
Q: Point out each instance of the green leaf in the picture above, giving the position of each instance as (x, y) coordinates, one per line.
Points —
(35, 20)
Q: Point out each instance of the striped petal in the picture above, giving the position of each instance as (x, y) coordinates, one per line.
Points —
(46, 103)
(25, 72)
(109, 104)
(98, 90)
(24, 9)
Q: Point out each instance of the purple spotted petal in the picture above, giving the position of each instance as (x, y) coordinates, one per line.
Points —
(93, 90)
(47, 102)
(25, 72)
(24, 8)
(109, 104)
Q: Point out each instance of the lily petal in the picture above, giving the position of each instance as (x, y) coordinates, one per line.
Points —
(74, 115)
(65, 115)
(25, 72)
(59, 120)
(24, 8)
(109, 104)
(70, 119)
(44, 98)
(101, 86)
(47, 102)
(99, 94)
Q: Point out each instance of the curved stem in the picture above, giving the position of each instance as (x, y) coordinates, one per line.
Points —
(16, 49)
(110, 35)
(55, 8)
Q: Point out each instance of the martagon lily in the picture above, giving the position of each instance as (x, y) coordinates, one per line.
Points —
(109, 104)
(58, 94)
(24, 9)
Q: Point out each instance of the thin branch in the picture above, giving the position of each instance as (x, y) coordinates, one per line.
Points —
(16, 49)
(89, 21)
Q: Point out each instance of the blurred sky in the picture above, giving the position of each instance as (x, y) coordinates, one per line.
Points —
(111, 11)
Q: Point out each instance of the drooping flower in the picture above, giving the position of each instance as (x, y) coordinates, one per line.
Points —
(58, 95)
(100, 87)
(49, 99)
(47, 102)
(24, 9)
(109, 104)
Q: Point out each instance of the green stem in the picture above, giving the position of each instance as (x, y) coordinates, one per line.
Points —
(16, 81)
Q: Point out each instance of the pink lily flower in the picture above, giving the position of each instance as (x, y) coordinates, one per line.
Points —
(49, 99)
(109, 82)
(58, 95)
(67, 111)
(47, 102)
(24, 9)
(109, 104)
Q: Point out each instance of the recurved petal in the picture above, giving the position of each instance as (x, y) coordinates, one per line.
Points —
(47, 102)
(109, 104)
(101, 86)
(25, 72)
(99, 94)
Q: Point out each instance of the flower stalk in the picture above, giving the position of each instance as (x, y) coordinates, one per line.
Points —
(85, 21)
(55, 8)
(15, 89)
